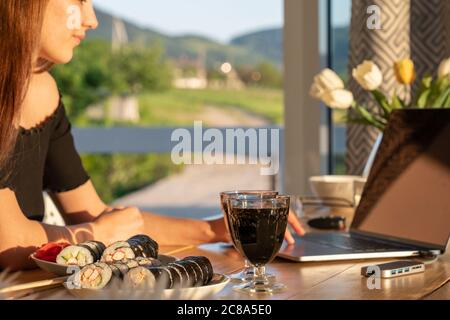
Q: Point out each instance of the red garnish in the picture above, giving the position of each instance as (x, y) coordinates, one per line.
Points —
(50, 251)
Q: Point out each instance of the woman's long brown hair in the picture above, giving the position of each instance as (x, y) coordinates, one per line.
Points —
(20, 29)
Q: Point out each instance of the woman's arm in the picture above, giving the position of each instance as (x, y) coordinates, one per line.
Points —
(84, 205)
(80, 205)
(20, 237)
(180, 231)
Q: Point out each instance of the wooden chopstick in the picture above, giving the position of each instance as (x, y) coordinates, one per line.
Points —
(34, 285)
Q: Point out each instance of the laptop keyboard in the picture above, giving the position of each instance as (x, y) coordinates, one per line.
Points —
(347, 241)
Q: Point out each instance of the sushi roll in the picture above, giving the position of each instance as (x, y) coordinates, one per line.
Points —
(189, 274)
(176, 277)
(185, 273)
(96, 246)
(185, 279)
(119, 251)
(132, 264)
(145, 277)
(206, 267)
(195, 272)
(119, 270)
(144, 246)
(82, 254)
(141, 261)
(137, 246)
(94, 276)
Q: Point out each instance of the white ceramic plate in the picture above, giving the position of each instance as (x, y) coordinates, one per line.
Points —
(217, 284)
(63, 270)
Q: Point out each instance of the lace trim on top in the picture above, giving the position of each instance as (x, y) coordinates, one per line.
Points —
(43, 124)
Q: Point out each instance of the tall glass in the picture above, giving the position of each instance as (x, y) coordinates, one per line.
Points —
(258, 227)
(249, 271)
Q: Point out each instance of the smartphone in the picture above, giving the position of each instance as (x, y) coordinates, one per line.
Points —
(394, 269)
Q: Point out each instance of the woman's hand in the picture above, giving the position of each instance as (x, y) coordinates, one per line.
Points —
(296, 226)
(219, 229)
(118, 224)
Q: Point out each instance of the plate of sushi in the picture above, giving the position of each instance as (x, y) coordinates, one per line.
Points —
(62, 258)
(129, 269)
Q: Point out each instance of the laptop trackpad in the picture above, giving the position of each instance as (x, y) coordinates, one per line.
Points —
(305, 248)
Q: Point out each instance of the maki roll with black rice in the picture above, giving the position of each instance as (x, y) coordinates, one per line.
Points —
(81, 254)
(137, 246)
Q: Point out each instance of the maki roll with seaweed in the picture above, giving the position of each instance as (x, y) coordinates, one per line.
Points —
(183, 279)
(120, 269)
(137, 246)
(190, 276)
(94, 276)
(207, 271)
(147, 277)
(141, 261)
(196, 271)
(185, 273)
(81, 254)
(98, 275)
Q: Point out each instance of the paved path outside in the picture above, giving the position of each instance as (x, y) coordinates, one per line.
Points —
(195, 192)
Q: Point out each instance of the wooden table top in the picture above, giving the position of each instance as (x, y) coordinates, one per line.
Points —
(305, 281)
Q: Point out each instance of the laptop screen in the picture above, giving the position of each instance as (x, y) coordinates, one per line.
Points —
(407, 195)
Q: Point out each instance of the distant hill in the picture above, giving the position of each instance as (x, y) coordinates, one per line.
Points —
(268, 41)
(190, 46)
(247, 49)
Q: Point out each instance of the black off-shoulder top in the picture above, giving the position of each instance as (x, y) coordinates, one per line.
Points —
(44, 159)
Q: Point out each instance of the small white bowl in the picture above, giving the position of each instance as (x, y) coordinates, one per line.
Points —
(337, 187)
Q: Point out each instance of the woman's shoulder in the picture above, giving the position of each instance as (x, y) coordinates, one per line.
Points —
(41, 100)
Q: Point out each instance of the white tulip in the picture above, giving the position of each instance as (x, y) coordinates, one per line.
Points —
(338, 99)
(368, 75)
(444, 69)
(325, 81)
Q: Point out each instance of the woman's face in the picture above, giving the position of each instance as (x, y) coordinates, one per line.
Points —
(65, 25)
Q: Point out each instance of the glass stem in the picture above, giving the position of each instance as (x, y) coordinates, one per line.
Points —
(249, 271)
(260, 276)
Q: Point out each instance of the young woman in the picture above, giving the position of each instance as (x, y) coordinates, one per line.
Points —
(37, 151)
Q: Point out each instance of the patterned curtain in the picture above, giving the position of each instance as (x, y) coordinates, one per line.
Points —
(417, 29)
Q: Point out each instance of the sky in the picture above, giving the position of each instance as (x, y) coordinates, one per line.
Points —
(217, 19)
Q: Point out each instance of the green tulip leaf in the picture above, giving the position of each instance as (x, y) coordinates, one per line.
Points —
(423, 99)
(397, 103)
(370, 118)
(383, 103)
(441, 101)
(447, 103)
(427, 82)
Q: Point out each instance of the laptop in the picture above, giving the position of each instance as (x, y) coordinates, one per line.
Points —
(405, 206)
